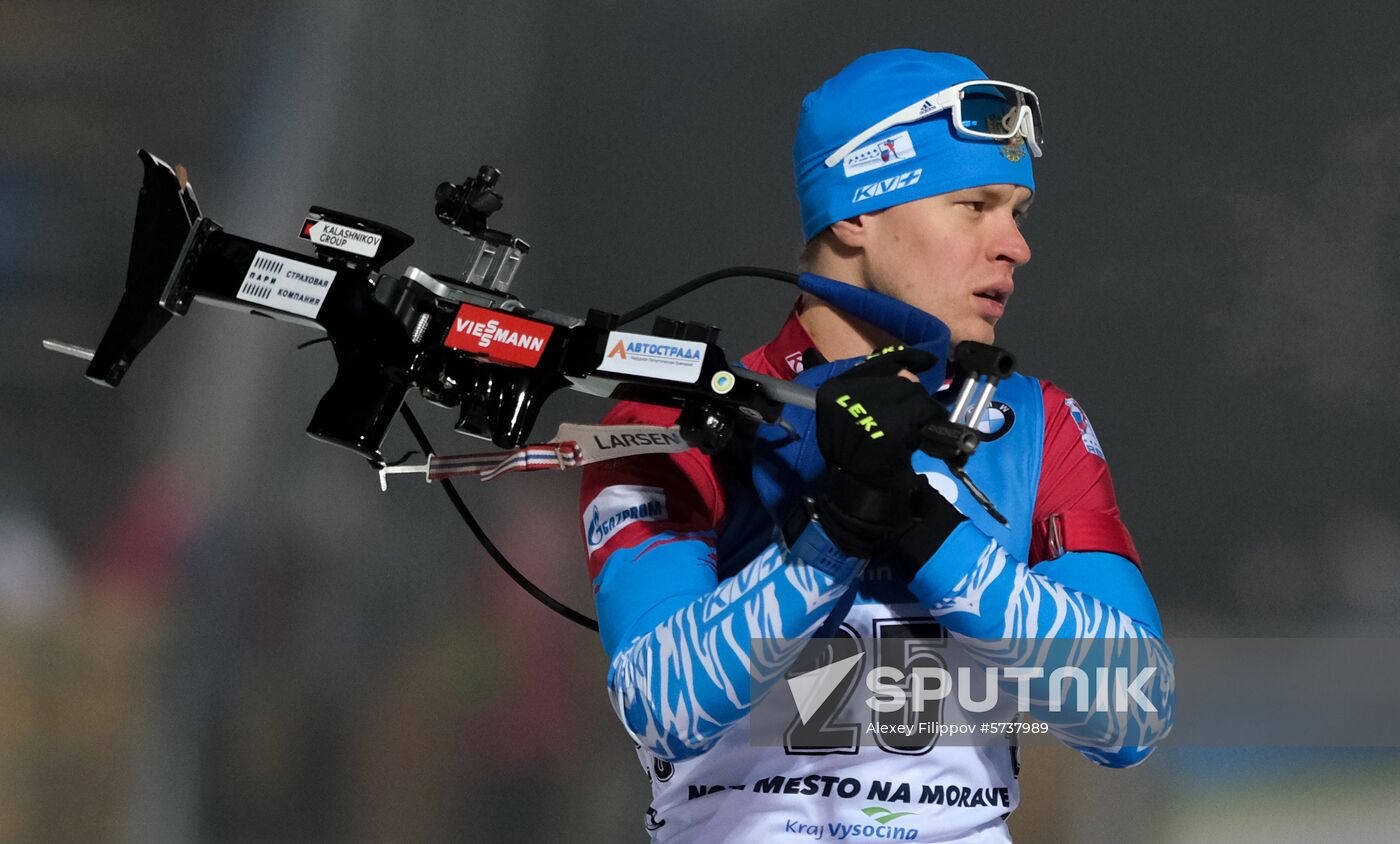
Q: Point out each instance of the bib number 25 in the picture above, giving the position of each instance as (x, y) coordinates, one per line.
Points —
(898, 647)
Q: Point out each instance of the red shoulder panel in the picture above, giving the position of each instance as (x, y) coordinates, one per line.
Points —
(1075, 506)
(647, 494)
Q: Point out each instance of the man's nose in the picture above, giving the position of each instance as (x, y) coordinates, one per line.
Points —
(1010, 244)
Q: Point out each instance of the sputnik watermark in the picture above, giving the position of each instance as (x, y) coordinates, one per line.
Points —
(908, 686)
(931, 684)
(925, 686)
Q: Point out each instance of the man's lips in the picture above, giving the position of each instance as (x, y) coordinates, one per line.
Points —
(992, 299)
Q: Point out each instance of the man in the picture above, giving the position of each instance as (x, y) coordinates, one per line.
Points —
(913, 171)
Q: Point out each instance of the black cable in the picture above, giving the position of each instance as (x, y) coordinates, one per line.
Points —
(696, 283)
(457, 502)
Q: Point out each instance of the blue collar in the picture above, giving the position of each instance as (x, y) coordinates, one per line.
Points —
(906, 322)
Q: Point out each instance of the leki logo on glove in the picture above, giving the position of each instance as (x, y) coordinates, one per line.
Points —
(501, 337)
(864, 420)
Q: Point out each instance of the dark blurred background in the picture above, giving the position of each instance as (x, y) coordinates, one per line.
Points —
(213, 629)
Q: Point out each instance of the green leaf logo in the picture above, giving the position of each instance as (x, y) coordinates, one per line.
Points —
(885, 815)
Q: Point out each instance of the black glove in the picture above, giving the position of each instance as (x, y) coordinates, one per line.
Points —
(868, 424)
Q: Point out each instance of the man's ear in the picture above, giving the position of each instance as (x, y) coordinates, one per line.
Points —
(853, 233)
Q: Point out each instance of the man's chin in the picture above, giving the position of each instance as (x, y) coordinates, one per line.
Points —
(977, 331)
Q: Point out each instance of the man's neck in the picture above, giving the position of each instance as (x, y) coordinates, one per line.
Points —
(837, 335)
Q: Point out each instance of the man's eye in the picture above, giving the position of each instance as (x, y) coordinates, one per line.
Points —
(975, 205)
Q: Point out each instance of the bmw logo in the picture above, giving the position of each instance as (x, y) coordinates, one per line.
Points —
(996, 421)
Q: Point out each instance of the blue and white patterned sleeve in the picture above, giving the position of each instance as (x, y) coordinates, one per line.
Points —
(691, 675)
(1007, 615)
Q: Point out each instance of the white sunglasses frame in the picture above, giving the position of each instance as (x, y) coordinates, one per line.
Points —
(950, 97)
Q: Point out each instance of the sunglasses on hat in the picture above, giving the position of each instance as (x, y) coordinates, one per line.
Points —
(982, 108)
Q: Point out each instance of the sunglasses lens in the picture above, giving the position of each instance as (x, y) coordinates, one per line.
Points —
(999, 111)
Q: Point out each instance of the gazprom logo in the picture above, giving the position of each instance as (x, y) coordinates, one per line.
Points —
(893, 183)
(618, 506)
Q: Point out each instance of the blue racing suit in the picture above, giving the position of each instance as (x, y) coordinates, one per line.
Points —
(688, 570)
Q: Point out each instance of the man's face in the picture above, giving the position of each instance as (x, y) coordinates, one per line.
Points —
(951, 255)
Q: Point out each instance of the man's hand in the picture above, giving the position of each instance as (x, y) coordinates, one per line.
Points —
(868, 424)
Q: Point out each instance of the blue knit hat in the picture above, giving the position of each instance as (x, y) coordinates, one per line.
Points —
(904, 163)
